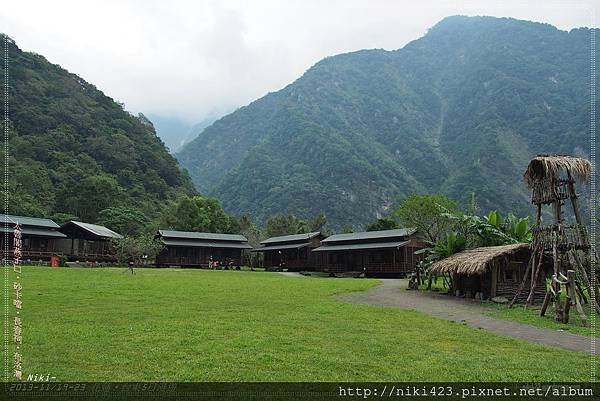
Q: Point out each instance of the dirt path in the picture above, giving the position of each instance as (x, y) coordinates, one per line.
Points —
(292, 274)
(393, 293)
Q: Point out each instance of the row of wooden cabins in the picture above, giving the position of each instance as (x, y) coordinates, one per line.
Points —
(43, 238)
(488, 272)
(376, 253)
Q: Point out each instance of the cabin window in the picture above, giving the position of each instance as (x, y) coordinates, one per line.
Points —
(510, 274)
(26, 243)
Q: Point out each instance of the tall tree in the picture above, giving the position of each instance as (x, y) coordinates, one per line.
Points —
(386, 223)
(199, 213)
(285, 225)
(427, 214)
(124, 220)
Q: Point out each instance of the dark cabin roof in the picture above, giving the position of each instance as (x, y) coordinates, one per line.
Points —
(201, 236)
(294, 245)
(371, 235)
(204, 240)
(94, 230)
(292, 238)
(28, 221)
(370, 245)
(31, 226)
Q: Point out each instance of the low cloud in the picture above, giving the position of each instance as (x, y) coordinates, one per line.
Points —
(191, 59)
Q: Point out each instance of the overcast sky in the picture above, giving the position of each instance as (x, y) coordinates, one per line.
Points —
(188, 59)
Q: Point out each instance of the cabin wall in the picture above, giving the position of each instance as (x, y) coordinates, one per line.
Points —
(375, 262)
(503, 283)
(294, 259)
(83, 250)
(82, 246)
(33, 247)
(511, 276)
(198, 256)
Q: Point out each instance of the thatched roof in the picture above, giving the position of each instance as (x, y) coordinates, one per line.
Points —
(550, 166)
(477, 261)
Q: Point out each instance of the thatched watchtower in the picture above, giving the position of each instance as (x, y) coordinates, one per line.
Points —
(551, 179)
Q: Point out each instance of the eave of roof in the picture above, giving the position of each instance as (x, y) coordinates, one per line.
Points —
(205, 244)
(280, 247)
(349, 247)
(293, 237)
(27, 221)
(94, 229)
(192, 235)
(39, 232)
(367, 235)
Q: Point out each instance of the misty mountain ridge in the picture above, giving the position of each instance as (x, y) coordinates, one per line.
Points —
(460, 110)
(175, 132)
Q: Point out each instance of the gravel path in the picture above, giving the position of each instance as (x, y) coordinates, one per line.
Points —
(392, 292)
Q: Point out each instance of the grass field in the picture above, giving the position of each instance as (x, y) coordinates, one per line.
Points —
(532, 316)
(199, 325)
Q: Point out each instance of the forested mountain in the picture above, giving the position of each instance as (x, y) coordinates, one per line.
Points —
(75, 152)
(459, 110)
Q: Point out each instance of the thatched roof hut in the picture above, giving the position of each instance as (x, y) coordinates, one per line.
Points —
(544, 167)
(491, 271)
(478, 261)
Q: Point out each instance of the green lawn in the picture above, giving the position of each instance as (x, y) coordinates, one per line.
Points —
(199, 325)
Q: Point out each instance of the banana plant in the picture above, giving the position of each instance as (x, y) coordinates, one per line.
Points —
(518, 228)
(453, 243)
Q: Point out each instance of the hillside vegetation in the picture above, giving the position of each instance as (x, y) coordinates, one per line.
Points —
(75, 152)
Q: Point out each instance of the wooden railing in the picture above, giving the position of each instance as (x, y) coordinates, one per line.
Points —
(187, 261)
(32, 255)
(567, 237)
(545, 191)
(46, 255)
(97, 257)
(372, 267)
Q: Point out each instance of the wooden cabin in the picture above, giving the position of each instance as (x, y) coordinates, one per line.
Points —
(39, 237)
(196, 249)
(88, 242)
(493, 271)
(387, 253)
(291, 252)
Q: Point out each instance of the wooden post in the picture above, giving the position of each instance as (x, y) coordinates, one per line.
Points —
(573, 296)
(582, 271)
(529, 267)
(566, 309)
(494, 281)
(557, 212)
(573, 196)
(534, 279)
(546, 302)
(558, 312)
